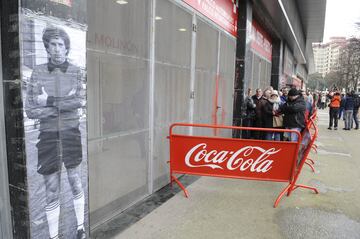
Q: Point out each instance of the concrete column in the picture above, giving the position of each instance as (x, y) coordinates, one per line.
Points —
(5, 217)
(22, 187)
(243, 63)
(277, 62)
(13, 110)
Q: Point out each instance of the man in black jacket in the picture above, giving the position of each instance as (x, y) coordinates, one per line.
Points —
(349, 110)
(356, 110)
(294, 113)
(257, 122)
(250, 114)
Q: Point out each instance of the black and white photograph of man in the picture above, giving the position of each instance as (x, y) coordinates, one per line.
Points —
(54, 97)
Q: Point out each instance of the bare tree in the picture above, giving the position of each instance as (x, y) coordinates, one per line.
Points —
(316, 82)
(349, 64)
(334, 80)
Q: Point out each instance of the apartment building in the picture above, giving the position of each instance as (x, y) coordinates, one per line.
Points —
(326, 55)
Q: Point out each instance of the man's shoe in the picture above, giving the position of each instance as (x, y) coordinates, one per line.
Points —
(335, 128)
(81, 234)
(356, 128)
(330, 128)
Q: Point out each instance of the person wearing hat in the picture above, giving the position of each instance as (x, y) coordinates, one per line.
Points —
(277, 119)
(294, 113)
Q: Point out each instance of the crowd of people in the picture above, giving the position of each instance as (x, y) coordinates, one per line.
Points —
(287, 108)
(345, 106)
(290, 108)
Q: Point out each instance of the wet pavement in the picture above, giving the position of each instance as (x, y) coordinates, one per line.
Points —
(230, 208)
(316, 223)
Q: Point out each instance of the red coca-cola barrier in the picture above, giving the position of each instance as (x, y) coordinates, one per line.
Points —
(311, 129)
(250, 159)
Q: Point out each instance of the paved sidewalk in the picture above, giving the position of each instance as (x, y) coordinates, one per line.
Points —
(227, 208)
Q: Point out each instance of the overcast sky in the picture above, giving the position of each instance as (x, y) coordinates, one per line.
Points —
(340, 18)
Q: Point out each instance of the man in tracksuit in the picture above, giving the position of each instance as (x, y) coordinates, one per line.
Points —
(53, 96)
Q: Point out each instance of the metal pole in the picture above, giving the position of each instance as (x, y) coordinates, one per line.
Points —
(151, 98)
(192, 73)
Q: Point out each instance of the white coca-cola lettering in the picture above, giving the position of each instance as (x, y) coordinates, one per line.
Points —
(199, 156)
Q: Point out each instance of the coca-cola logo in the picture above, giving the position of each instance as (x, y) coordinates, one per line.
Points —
(243, 159)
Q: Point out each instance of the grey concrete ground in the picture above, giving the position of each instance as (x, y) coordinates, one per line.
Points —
(226, 208)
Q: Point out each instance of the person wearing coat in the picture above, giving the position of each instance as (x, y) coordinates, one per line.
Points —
(294, 113)
(249, 119)
(264, 112)
(267, 117)
(335, 101)
(277, 118)
(342, 106)
(356, 111)
(349, 110)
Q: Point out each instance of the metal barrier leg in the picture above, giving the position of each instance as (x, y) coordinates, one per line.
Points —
(311, 166)
(314, 147)
(307, 187)
(302, 186)
(311, 161)
(171, 178)
(285, 190)
(294, 186)
(180, 185)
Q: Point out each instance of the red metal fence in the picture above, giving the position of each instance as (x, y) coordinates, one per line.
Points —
(265, 160)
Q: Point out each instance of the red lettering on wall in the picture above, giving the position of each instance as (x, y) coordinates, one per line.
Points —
(261, 41)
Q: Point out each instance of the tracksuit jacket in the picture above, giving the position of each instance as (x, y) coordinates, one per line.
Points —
(61, 110)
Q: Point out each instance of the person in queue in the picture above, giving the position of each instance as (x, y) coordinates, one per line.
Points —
(335, 101)
(257, 122)
(356, 110)
(294, 114)
(284, 95)
(249, 114)
(349, 110)
(277, 118)
(267, 113)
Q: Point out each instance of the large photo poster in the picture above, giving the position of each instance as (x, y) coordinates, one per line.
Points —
(54, 94)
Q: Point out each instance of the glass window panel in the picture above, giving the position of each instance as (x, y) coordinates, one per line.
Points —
(172, 80)
(173, 34)
(226, 86)
(118, 93)
(256, 72)
(119, 28)
(205, 75)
